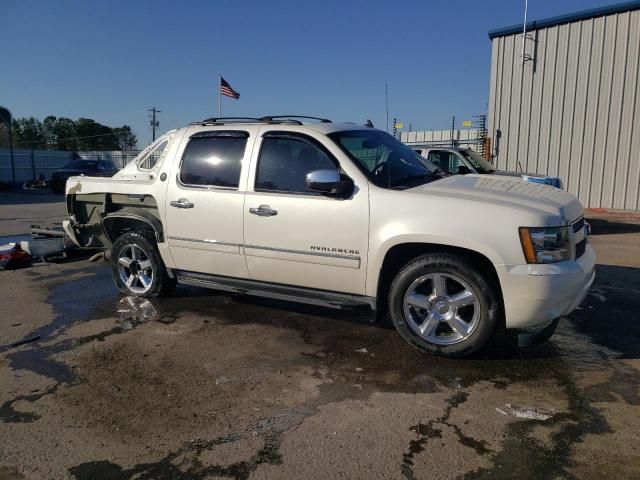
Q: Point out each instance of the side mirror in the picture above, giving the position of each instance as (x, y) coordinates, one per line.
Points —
(330, 182)
(463, 170)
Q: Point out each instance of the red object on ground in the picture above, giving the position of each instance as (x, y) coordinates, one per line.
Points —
(614, 213)
(13, 258)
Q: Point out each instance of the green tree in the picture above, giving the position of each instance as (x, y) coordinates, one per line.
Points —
(65, 134)
(4, 135)
(48, 131)
(29, 133)
(125, 137)
(95, 136)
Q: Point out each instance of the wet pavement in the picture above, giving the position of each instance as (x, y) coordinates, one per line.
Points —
(205, 385)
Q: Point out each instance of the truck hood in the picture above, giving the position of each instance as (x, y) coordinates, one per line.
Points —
(547, 200)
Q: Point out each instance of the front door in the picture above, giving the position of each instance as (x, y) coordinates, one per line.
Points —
(298, 237)
(205, 204)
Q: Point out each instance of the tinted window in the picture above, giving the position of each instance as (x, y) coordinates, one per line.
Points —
(446, 161)
(285, 161)
(106, 165)
(213, 159)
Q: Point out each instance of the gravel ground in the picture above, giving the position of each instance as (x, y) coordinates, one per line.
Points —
(204, 385)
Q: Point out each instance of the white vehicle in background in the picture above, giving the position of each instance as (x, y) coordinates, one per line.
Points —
(339, 214)
(463, 161)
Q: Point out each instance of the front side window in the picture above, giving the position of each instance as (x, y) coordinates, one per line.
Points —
(445, 160)
(478, 161)
(387, 162)
(286, 160)
(214, 159)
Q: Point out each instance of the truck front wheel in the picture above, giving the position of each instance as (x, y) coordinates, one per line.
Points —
(440, 303)
(137, 267)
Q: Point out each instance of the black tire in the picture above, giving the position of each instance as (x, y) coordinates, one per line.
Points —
(444, 263)
(161, 283)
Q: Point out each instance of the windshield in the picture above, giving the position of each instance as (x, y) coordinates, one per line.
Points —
(478, 161)
(81, 165)
(386, 162)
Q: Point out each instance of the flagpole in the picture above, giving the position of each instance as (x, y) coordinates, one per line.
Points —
(219, 98)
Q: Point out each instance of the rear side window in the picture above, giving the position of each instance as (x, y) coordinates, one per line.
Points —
(213, 159)
(285, 161)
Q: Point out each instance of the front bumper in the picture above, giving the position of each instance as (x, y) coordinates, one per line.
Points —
(536, 295)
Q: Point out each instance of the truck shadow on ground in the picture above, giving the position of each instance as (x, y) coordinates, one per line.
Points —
(611, 227)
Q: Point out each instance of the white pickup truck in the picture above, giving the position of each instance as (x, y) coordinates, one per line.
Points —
(339, 214)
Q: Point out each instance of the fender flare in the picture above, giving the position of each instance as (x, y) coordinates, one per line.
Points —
(137, 214)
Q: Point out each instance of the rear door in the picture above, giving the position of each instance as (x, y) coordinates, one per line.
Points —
(205, 198)
(298, 237)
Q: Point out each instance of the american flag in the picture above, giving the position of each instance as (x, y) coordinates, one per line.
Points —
(225, 89)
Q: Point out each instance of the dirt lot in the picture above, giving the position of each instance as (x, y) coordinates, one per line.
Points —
(204, 385)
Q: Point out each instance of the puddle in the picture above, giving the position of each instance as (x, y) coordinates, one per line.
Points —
(9, 414)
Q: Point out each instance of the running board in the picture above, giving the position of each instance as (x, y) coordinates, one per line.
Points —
(277, 291)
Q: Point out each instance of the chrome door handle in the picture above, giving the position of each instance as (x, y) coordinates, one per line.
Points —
(182, 203)
(263, 211)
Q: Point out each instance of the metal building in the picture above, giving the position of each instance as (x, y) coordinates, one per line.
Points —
(570, 106)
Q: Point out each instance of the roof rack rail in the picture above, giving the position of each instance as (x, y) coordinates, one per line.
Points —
(227, 120)
(271, 118)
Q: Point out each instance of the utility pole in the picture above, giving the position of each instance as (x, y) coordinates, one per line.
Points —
(453, 130)
(154, 123)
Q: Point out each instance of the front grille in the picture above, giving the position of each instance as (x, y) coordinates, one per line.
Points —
(580, 247)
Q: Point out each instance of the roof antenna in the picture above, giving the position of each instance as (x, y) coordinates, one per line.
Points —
(369, 124)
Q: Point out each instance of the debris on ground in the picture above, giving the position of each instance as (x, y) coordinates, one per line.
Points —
(531, 413)
(362, 350)
(12, 256)
(134, 311)
(46, 244)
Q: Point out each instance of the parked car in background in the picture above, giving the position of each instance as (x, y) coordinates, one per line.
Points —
(90, 168)
(464, 160)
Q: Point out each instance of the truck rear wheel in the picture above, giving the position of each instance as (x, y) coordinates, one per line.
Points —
(137, 267)
(440, 303)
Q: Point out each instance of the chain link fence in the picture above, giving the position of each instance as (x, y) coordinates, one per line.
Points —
(32, 164)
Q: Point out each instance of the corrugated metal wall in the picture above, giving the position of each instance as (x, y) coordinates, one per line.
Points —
(573, 108)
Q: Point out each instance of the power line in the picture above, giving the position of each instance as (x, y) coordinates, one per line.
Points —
(75, 138)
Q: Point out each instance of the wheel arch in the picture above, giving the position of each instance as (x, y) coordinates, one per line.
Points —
(400, 254)
(129, 219)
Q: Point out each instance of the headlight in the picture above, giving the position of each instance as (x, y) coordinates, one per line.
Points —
(545, 245)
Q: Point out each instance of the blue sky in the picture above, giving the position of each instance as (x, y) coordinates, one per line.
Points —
(112, 60)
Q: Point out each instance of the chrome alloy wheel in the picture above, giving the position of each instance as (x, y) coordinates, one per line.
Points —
(442, 308)
(134, 268)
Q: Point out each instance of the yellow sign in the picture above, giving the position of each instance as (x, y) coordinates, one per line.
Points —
(466, 123)
(399, 125)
